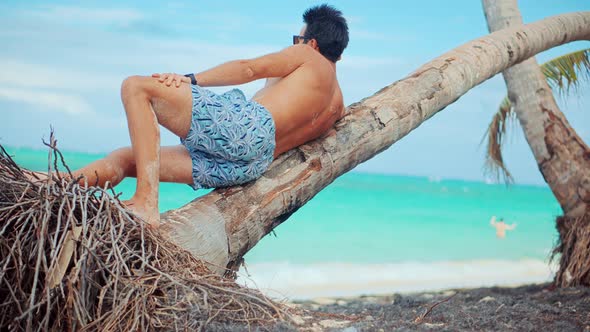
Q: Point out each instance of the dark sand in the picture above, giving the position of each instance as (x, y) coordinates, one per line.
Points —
(525, 308)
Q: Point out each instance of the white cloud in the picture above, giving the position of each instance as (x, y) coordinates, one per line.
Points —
(352, 19)
(202, 51)
(82, 14)
(26, 74)
(44, 100)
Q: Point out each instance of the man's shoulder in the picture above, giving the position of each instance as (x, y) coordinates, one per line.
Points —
(301, 51)
(298, 48)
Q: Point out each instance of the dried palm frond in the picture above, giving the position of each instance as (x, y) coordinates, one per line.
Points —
(563, 74)
(572, 251)
(495, 135)
(71, 258)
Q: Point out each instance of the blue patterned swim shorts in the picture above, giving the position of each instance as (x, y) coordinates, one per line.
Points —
(231, 140)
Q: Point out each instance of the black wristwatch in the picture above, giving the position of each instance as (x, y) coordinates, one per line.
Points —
(192, 77)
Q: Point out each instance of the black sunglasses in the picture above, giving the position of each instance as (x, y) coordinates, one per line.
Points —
(297, 38)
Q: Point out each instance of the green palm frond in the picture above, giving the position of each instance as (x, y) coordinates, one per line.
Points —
(563, 74)
(567, 71)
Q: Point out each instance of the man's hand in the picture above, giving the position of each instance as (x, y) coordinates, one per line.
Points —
(169, 78)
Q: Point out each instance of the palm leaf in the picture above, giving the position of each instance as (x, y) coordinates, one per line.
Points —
(567, 71)
(495, 135)
(563, 74)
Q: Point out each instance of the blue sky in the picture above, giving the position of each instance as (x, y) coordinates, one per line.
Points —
(62, 64)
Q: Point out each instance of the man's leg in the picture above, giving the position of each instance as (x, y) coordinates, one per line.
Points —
(148, 102)
(175, 166)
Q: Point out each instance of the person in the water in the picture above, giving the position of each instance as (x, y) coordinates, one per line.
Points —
(501, 227)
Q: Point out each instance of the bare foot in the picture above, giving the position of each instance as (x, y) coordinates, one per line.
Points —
(148, 214)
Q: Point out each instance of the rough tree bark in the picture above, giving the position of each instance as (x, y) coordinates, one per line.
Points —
(563, 158)
(222, 226)
(560, 153)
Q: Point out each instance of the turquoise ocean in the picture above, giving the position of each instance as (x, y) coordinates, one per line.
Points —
(372, 233)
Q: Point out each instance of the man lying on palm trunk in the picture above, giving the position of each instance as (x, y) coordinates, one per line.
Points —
(226, 139)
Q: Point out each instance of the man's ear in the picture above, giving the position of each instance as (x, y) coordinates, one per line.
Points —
(314, 44)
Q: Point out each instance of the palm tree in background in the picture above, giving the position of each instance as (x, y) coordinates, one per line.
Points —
(563, 158)
(565, 75)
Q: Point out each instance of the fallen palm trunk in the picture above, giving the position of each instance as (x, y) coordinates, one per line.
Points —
(72, 259)
(222, 226)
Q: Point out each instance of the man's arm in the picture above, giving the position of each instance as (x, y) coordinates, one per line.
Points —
(278, 64)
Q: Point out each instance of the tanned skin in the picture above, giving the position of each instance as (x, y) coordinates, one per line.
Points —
(501, 227)
(301, 93)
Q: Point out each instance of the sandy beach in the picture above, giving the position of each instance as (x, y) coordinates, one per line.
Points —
(524, 308)
(299, 282)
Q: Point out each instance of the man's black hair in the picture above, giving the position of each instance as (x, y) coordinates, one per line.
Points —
(328, 27)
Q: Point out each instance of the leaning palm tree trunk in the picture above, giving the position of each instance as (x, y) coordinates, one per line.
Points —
(563, 74)
(222, 226)
(563, 158)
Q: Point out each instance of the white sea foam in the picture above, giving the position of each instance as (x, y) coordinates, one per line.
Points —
(305, 281)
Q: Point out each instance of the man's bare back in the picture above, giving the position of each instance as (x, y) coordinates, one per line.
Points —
(303, 104)
(501, 227)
